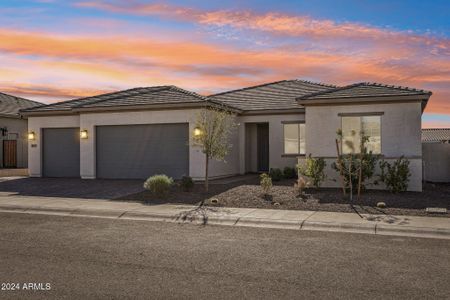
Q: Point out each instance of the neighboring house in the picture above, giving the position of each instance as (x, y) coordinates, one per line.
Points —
(436, 154)
(13, 131)
(436, 135)
(144, 131)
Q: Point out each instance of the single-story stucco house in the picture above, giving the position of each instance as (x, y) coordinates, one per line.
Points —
(13, 131)
(143, 131)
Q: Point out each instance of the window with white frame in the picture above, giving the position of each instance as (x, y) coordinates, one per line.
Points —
(294, 138)
(352, 129)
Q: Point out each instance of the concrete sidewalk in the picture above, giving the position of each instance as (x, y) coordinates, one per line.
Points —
(271, 218)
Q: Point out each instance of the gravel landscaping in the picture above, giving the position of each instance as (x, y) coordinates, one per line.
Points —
(247, 193)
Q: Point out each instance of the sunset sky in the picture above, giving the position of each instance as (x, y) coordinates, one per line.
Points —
(53, 50)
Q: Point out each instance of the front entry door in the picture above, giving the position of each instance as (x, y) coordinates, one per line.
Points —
(9, 154)
(262, 134)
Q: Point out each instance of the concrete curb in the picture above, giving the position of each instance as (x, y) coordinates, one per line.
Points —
(384, 229)
(339, 227)
(269, 223)
(369, 228)
(133, 215)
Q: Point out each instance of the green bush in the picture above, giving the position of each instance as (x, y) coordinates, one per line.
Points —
(289, 173)
(158, 184)
(265, 182)
(186, 183)
(395, 176)
(276, 174)
(313, 169)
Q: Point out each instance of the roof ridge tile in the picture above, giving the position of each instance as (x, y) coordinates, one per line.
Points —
(247, 88)
(118, 94)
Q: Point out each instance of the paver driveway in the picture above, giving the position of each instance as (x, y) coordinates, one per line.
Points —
(71, 187)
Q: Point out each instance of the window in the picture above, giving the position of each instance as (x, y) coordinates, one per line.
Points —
(294, 138)
(352, 127)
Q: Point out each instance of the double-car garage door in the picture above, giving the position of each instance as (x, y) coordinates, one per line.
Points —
(123, 152)
(139, 151)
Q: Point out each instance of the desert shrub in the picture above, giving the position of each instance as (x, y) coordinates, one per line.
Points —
(313, 169)
(276, 174)
(396, 175)
(300, 186)
(266, 183)
(186, 183)
(289, 173)
(158, 184)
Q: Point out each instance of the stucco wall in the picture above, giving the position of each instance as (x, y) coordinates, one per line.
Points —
(436, 161)
(88, 122)
(276, 136)
(400, 134)
(17, 130)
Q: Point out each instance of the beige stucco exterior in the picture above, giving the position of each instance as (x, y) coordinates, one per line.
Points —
(400, 135)
(88, 121)
(276, 140)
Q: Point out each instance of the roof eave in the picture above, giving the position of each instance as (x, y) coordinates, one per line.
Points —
(10, 116)
(117, 108)
(273, 111)
(365, 99)
(46, 113)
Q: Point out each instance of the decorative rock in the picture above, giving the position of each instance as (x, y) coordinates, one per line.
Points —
(436, 210)
(276, 204)
(214, 201)
(381, 205)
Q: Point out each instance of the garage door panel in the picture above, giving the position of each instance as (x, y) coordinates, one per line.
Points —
(139, 151)
(61, 152)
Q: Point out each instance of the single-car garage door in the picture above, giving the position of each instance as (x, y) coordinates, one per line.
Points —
(61, 152)
(140, 151)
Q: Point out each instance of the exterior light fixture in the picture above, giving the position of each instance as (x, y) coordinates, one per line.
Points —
(31, 136)
(84, 134)
(197, 132)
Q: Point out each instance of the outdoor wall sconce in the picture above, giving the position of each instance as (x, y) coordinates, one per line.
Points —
(197, 132)
(31, 136)
(84, 134)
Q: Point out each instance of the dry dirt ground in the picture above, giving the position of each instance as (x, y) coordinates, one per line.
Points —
(247, 193)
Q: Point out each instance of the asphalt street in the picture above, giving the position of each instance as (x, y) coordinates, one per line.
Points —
(84, 258)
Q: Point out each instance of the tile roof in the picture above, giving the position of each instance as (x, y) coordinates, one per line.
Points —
(364, 89)
(435, 134)
(136, 96)
(10, 105)
(275, 95)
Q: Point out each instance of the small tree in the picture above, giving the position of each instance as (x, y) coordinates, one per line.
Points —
(213, 129)
(354, 168)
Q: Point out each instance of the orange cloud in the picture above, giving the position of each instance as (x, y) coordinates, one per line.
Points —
(98, 63)
(49, 91)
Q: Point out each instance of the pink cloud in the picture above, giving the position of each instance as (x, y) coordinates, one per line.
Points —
(275, 23)
(338, 53)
